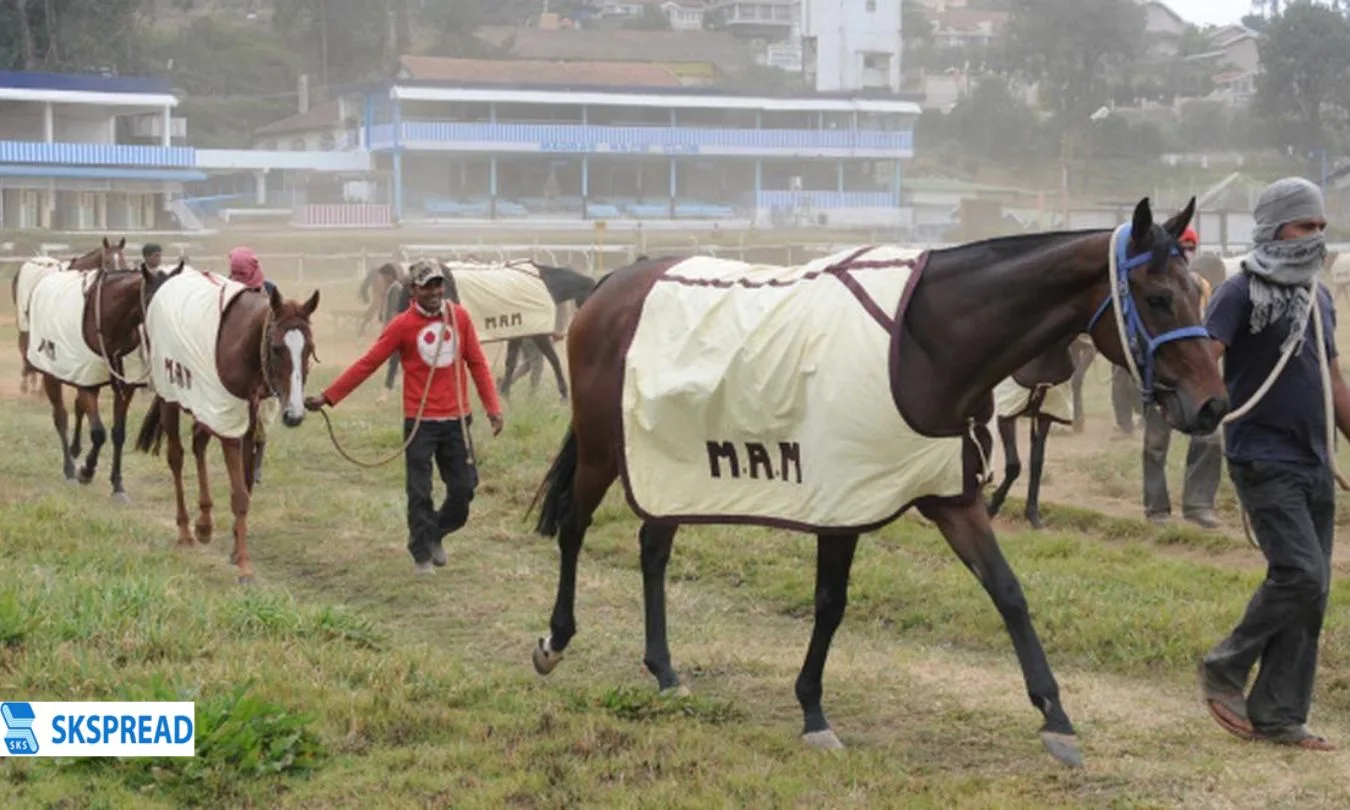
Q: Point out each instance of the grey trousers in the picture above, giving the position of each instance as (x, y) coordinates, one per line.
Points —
(1204, 462)
(1292, 508)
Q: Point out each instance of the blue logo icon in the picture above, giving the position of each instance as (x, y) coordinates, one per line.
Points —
(19, 737)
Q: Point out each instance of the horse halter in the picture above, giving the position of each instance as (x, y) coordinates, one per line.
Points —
(1140, 346)
(264, 353)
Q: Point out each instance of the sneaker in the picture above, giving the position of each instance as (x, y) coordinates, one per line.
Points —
(438, 556)
(423, 568)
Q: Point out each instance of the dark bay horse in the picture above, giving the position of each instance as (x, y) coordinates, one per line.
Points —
(1051, 369)
(265, 346)
(565, 285)
(111, 323)
(977, 313)
(107, 256)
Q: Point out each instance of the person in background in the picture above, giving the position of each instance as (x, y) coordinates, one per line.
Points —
(151, 256)
(1281, 466)
(1204, 457)
(245, 269)
(437, 331)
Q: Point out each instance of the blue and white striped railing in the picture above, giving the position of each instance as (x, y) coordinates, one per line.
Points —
(579, 138)
(97, 154)
(826, 200)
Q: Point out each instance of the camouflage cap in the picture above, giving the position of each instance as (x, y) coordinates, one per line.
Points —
(424, 272)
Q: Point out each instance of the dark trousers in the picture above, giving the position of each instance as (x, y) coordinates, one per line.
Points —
(1204, 460)
(392, 373)
(1125, 400)
(441, 442)
(1292, 508)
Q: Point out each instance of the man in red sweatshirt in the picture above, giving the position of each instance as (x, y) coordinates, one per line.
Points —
(437, 331)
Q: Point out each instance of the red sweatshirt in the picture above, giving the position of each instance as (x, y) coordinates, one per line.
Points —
(413, 336)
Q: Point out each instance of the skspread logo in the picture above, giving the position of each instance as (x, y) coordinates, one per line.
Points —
(99, 729)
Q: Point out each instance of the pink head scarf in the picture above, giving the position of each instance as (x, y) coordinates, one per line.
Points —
(244, 268)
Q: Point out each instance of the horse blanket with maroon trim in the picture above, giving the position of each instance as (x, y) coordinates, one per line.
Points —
(1012, 399)
(56, 340)
(505, 301)
(183, 326)
(759, 394)
(30, 273)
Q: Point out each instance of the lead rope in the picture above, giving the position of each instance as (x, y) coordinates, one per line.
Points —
(421, 408)
(1328, 404)
(140, 329)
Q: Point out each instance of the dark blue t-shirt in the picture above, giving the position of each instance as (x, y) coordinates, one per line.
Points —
(1289, 424)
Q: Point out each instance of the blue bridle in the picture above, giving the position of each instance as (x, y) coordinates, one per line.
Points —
(1134, 334)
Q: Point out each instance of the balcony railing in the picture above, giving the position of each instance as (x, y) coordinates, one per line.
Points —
(574, 138)
(96, 154)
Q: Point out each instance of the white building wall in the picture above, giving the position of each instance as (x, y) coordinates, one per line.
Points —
(20, 121)
(857, 43)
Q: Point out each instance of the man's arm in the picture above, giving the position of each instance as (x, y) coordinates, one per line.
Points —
(479, 368)
(386, 344)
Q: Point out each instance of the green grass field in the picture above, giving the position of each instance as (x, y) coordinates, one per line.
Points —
(340, 680)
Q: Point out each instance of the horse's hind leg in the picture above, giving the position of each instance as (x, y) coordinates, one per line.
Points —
(203, 528)
(169, 417)
(968, 532)
(834, 562)
(122, 395)
(239, 502)
(87, 399)
(509, 374)
(1012, 463)
(656, 541)
(76, 443)
(594, 474)
(55, 391)
(1040, 432)
(545, 345)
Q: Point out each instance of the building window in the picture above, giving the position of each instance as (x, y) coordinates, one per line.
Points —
(297, 144)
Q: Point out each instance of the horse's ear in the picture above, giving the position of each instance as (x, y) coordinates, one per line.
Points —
(1176, 226)
(182, 263)
(312, 304)
(275, 299)
(1141, 228)
(122, 244)
(106, 244)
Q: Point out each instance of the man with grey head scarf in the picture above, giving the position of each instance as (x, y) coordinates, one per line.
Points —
(1279, 461)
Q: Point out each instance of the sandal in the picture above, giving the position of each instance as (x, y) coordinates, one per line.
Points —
(1299, 737)
(1229, 709)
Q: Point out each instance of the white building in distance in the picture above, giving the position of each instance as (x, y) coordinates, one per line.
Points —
(852, 45)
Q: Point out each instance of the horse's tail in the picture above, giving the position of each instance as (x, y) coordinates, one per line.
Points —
(556, 489)
(152, 429)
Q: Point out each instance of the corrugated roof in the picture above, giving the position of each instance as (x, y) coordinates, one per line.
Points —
(717, 47)
(538, 72)
(324, 116)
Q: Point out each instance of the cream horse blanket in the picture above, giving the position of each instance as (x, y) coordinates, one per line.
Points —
(183, 324)
(506, 301)
(30, 273)
(758, 394)
(1012, 399)
(56, 341)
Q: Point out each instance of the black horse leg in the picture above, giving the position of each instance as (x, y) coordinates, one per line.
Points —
(97, 435)
(656, 542)
(969, 533)
(75, 443)
(1040, 432)
(122, 395)
(834, 561)
(545, 344)
(1012, 463)
(56, 396)
(512, 356)
(590, 483)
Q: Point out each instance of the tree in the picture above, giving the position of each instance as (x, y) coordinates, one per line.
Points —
(1069, 45)
(346, 40)
(1305, 57)
(651, 19)
(992, 121)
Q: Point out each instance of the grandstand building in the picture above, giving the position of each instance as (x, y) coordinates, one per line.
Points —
(98, 153)
(495, 139)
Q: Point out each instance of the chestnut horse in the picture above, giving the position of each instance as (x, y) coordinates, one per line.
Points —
(977, 313)
(265, 346)
(105, 257)
(112, 322)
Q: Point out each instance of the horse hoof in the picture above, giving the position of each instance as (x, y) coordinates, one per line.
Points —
(823, 740)
(1063, 747)
(1036, 522)
(121, 498)
(679, 691)
(545, 660)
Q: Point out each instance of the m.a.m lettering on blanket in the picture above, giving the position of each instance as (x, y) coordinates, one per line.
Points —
(178, 374)
(758, 461)
(503, 321)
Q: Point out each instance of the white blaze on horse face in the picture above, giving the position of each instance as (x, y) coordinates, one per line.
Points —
(295, 399)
